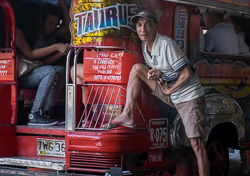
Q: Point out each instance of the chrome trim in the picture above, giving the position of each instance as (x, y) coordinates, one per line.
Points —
(96, 120)
(71, 94)
(69, 111)
(52, 164)
(234, 116)
(68, 64)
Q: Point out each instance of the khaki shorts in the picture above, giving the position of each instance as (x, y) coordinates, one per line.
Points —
(163, 97)
(192, 113)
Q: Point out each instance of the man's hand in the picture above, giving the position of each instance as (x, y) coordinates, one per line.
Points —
(164, 86)
(154, 74)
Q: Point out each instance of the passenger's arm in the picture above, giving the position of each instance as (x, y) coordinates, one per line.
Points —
(64, 28)
(186, 74)
(25, 49)
(50, 60)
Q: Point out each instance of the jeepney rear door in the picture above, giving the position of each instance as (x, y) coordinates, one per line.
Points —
(8, 85)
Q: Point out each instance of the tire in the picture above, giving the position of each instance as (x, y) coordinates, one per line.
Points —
(218, 156)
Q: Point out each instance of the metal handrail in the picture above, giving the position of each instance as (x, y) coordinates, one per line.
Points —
(96, 120)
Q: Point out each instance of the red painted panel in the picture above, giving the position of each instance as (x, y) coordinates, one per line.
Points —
(7, 66)
(194, 27)
(114, 141)
(7, 141)
(50, 131)
(5, 104)
(166, 18)
(7, 54)
(14, 89)
(109, 67)
(26, 145)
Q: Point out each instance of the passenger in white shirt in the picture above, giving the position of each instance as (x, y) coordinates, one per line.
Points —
(220, 38)
(239, 25)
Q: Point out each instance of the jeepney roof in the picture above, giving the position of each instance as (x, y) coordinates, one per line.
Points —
(230, 6)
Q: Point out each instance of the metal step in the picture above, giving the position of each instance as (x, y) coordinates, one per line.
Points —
(57, 164)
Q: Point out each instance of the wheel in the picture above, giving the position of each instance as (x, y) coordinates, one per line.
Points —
(218, 156)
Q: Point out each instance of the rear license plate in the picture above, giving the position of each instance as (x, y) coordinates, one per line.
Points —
(50, 147)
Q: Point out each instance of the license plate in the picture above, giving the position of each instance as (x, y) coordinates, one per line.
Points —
(158, 129)
(50, 147)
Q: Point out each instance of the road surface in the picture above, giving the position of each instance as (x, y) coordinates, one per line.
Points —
(234, 164)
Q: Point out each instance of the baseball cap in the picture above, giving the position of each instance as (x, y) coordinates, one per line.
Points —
(149, 15)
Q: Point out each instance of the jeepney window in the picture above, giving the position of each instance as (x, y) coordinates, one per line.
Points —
(222, 36)
(241, 26)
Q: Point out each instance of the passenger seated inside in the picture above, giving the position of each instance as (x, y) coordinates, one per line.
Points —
(49, 32)
(48, 79)
(239, 26)
(220, 37)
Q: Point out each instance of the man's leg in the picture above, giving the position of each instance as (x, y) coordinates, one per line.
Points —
(201, 155)
(193, 117)
(138, 74)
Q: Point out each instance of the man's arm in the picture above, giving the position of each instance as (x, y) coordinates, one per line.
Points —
(50, 60)
(186, 74)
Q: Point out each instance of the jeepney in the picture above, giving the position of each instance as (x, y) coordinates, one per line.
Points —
(104, 39)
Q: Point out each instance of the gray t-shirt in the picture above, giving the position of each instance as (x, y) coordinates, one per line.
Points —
(169, 59)
(41, 43)
(221, 39)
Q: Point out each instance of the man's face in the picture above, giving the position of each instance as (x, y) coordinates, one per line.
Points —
(146, 30)
(50, 24)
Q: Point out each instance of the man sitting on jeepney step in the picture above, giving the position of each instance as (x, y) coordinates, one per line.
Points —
(171, 80)
(220, 38)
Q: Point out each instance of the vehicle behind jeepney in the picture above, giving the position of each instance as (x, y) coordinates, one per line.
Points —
(104, 39)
